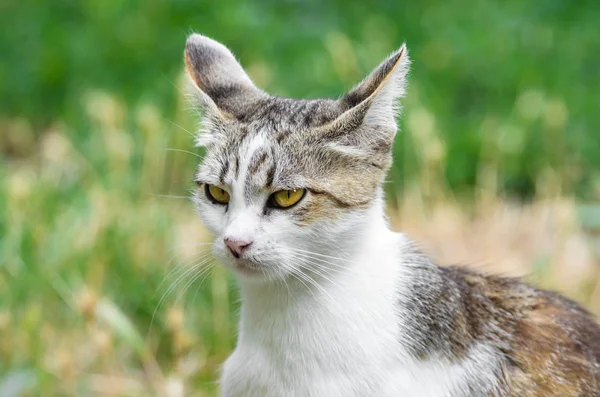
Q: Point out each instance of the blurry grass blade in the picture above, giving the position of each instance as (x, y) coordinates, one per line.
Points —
(120, 323)
(123, 327)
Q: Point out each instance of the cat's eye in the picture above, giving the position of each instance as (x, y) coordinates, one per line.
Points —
(286, 198)
(217, 195)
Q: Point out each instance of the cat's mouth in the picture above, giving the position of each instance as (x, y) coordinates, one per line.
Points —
(248, 267)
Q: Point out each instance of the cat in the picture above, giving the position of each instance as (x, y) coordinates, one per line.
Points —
(334, 303)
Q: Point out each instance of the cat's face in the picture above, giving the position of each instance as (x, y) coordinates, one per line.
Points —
(287, 184)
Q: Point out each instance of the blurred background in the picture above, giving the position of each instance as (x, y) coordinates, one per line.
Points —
(497, 165)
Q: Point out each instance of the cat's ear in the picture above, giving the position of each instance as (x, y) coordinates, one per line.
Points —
(374, 102)
(224, 87)
(381, 90)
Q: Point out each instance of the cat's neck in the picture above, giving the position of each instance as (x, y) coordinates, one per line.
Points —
(353, 282)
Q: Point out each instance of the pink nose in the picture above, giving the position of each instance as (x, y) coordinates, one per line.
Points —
(237, 246)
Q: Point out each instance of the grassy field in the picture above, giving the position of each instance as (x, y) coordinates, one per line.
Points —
(98, 290)
(106, 288)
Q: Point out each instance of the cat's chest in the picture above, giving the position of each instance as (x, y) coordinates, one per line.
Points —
(250, 374)
(319, 350)
(341, 359)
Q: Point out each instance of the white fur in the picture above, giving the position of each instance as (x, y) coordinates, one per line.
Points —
(242, 220)
(385, 107)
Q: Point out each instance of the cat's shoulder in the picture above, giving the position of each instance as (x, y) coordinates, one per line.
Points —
(450, 311)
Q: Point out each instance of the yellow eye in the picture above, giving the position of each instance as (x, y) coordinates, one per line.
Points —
(217, 195)
(286, 198)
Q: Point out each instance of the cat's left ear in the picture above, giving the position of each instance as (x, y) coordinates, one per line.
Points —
(375, 101)
(223, 86)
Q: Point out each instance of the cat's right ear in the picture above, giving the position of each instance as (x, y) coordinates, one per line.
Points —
(225, 89)
(372, 103)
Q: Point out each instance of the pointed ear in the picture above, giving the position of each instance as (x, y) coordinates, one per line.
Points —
(375, 101)
(223, 84)
(382, 89)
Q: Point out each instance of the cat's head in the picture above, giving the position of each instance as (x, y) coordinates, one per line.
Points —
(288, 183)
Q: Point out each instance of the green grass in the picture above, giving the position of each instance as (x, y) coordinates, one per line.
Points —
(89, 232)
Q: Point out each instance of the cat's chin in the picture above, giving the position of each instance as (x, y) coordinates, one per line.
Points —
(248, 269)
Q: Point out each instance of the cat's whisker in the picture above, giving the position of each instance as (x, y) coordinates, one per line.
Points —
(324, 272)
(206, 270)
(177, 269)
(170, 196)
(298, 275)
(183, 151)
(318, 239)
(283, 278)
(182, 128)
(316, 284)
(316, 266)
(173, 285)
(195, 257)
(331, 268)
(203, 279)
(299, 265)
(174, 251)
(206, 259)
(185, 266)
(324, 260)
(298, 250)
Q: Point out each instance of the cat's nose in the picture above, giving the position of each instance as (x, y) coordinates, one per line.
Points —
(237, 246)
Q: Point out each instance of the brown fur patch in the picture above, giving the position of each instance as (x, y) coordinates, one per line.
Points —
(549, 344)
(316, 208)
(340, 203)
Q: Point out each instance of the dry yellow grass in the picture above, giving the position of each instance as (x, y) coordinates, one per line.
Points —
(541, 241)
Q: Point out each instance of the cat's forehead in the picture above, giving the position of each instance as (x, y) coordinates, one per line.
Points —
(259, 155)
(275, 113)
(269, 138)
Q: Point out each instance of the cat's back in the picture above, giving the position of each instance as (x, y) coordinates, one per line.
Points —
(537, 343)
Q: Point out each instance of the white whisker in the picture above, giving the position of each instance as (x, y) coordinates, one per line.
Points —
(316, 284)
(177, 125)
(170, 196)
(195, 257)
(207, 268)
(173, 285)
(184, 151)
(204, 277)
(321, 255)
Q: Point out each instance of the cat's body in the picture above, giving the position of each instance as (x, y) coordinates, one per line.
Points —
(431, 332)
(333, 302)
